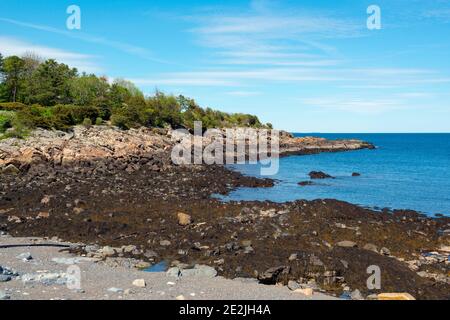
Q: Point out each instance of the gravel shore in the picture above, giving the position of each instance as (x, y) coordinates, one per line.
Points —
(130, 202)
(100, 281)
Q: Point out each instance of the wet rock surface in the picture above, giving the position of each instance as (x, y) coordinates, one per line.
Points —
(319, 175)
(128, 207)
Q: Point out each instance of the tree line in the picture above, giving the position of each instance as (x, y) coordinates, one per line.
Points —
(51, 95)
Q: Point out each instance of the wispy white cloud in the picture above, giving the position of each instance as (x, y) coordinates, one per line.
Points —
(263, 32)
(442, 14)
(183, 80)
(369, 77)
(355, 104)
(371, 102)
(83, 62)
(244, 93)
(121, 46)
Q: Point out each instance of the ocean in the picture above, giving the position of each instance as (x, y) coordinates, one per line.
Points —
(406, 171)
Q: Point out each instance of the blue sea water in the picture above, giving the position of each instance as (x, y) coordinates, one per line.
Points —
(406, 171)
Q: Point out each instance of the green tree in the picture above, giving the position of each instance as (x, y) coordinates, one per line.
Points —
(130, 86)
(88, 90)
(3, 97)
(167, 110)
(50, 84)
(13, 68)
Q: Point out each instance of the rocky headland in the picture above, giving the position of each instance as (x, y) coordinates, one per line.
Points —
(118, 194)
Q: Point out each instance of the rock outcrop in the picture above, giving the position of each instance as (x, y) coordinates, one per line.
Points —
(102, 148)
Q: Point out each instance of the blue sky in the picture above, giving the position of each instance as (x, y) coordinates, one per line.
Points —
(305, 66)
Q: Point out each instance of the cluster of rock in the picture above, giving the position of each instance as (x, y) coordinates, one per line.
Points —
(100, 149)
(319, 175)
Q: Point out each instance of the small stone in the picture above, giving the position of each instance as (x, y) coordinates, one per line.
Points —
(78, 210)
(356, 295)
(5, 278)
(293, 285)
(248, 250)
(43, 215)
(395, 296)
(4, 295)
(445, 249)
(306, 291)
(45, 200)
(200, 271)
(10, 170)
(91, 248)
(108, 251)
(270, 276)
(115, 290)
(165, 243)
(344, 263)
(184, 219)
(181, 297)
(128, 249)
(150, 254)
(385, 251)
(371, 247)
(293, 257)
(142, 265)
(347, 244)
(140, 283)
(26, 256)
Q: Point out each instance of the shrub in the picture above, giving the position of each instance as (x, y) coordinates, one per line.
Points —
(66, 116)
(36, 116)
(11, 127)
(87, 122)
(18, 131)
(12, 106)
(98, 121)
(79, 113)
(6, 119)
(120, 121)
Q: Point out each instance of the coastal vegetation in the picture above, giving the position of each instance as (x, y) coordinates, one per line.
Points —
(46, 94)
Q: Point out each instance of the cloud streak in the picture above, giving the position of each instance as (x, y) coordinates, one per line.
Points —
(83, 62)
(121, 46)
(271, 37)
(366, 78)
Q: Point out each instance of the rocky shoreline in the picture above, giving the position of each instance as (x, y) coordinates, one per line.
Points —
(107, 188)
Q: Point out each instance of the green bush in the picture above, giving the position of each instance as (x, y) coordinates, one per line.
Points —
(66, 116)
(36, 116)
(120, 121)
(11, 127)
(98, 121)
(87, 122)
(79, 113)
(6, 120)
(18, 131)
(12, 106)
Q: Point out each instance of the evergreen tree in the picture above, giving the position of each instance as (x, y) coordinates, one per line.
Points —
(50, 84)
(13, 67)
